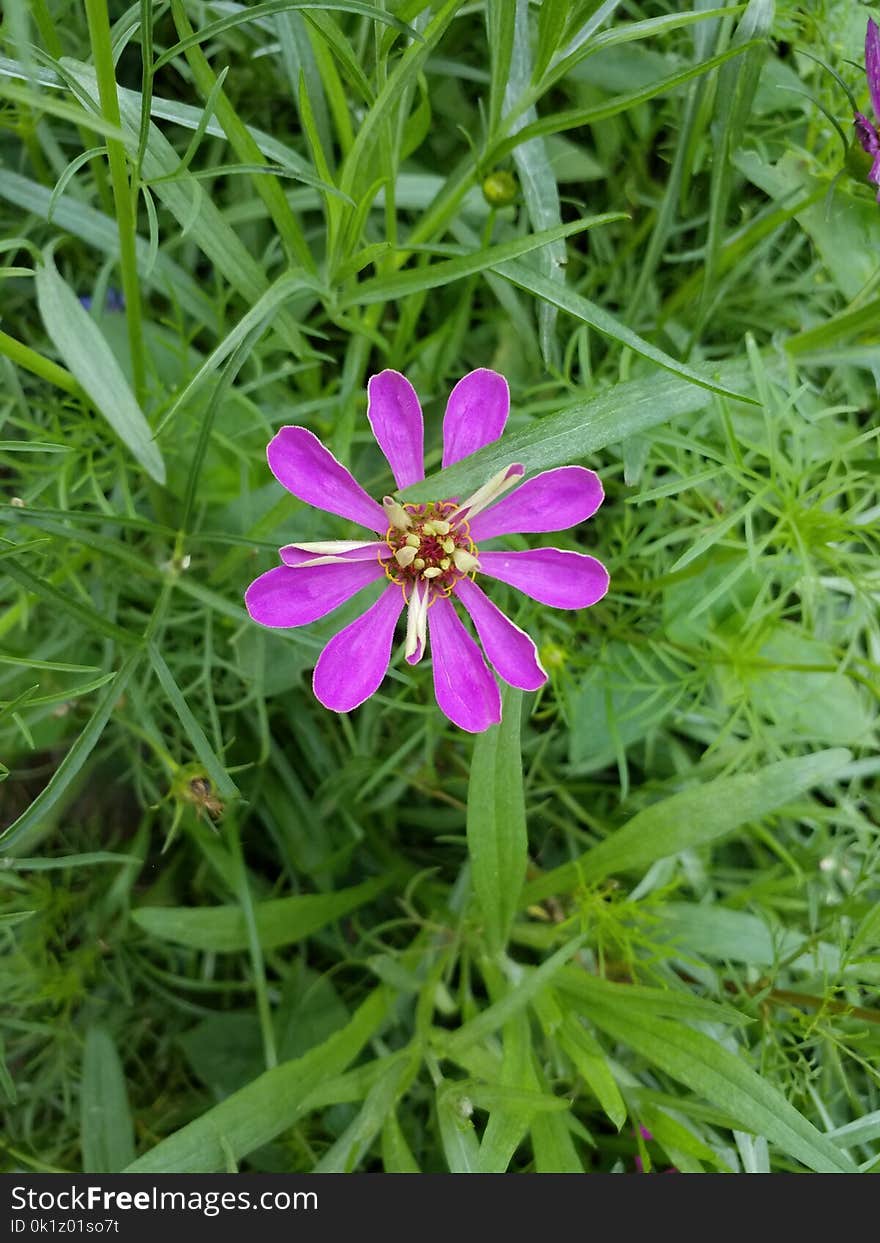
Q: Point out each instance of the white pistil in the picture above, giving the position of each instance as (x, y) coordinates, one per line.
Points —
(490, 491)
(416, 623)
(405, 556)
(464, 561)
(396, 514)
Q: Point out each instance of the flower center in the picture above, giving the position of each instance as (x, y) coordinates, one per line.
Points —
(428, 544)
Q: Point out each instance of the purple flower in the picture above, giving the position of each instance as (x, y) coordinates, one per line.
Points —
(865, 131)
(428, 554)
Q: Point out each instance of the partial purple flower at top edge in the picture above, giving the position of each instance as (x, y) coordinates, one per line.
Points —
(866, 132)
(428, 554)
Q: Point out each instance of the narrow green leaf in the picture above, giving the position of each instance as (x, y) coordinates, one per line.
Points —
(385, 289)
(214, 766)
(576, 431)
(34, 816)
(106, 1127)
(723, 1078)
(268, 1105)
(496, 821)
(88, 357)
(280, 921)
(589, 313)
(692, 818)
(591, 1064)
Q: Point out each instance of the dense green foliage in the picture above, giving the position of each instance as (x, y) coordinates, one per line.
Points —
(238, 931)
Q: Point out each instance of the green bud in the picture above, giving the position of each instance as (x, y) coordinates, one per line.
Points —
(500, 188)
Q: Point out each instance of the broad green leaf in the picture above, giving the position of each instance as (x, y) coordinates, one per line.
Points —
(86, 354)
(692, 818)
(280, 921)
(106, 1127)
(576, 431)
(723, 1078)
(496, 821)
(257, 1113)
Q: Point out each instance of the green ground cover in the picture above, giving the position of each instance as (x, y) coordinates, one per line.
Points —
(636, 924)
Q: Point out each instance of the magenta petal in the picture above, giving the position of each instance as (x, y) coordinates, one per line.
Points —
(352, 665)
(309, 470)
(396, 419)
(295, 597)
(475, 415)
(553, 501)
(564, 580)
(465, 689)
(510, 649)
(872, 64)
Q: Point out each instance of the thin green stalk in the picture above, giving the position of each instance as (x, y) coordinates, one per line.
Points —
(102, 52)
(24, 356)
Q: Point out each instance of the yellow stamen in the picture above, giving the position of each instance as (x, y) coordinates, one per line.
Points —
(441, 526)
(419, 563)
(445, 563)
(448, 545)
(405, 556)
(413, 541)
(396, 514)
(464, 561)
(433, 572)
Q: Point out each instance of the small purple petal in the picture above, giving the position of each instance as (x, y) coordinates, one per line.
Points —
(465, 689)
(308, 469)
(510, 649)
(475, 415)
(872, 64)
(396, 419)
(294, 597)
(553, 501)
(564, 580)
(352, 665)
(866, 134)
(334, 550)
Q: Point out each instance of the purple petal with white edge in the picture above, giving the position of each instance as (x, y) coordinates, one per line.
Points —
(553, 501)
(509, 649)
(475, 415)
(465, 688)
(872, 64)
(308, 469)
(396, 419)
(288, 596)
(352, 665)
(329, 551)
(564, 580)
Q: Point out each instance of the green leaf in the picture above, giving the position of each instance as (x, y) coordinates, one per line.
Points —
(589, 1060)
(34, 816)
(604, 322)
(88, 357)
(346, 1154)
(106, 1127)
(257, 1113)
(214, 766)
(723, 1078)
(692, 818)
(496, 821)
(576, 431)
(280, 921)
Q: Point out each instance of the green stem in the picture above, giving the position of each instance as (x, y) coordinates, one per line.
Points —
(102, 52)
(30, 360)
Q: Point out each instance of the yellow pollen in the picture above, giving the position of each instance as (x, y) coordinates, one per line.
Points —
(405, 556)
(429, 528)
(442, 527)
(445, 563)
(448, 545)
(419, 563)
(413, 541)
